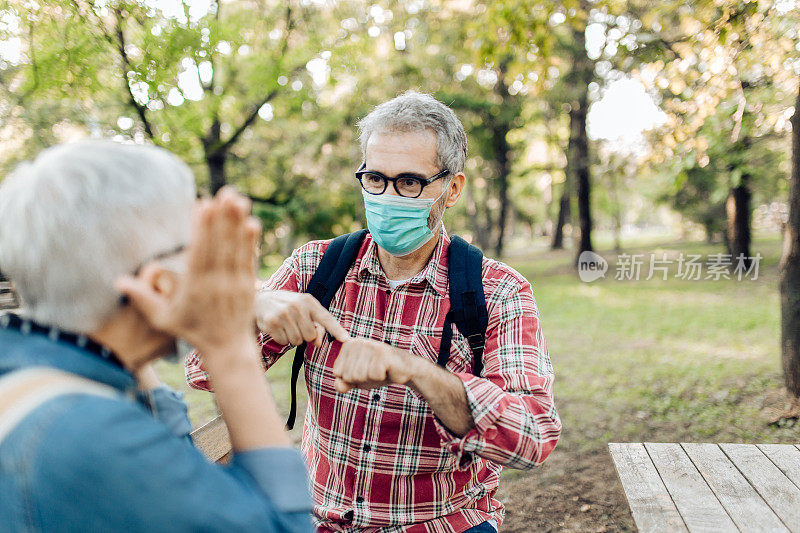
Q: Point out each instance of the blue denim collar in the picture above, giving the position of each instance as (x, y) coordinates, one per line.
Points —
(33, 346)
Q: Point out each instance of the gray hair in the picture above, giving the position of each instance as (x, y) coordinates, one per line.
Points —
(82, 214)
(413, 111)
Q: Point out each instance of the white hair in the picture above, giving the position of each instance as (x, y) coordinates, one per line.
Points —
(413, 111)
(82, 214)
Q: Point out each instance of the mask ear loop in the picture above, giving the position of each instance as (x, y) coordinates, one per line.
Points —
(441, 218)
(440, 225)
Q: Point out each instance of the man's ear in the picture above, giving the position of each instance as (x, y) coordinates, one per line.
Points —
(456, 187)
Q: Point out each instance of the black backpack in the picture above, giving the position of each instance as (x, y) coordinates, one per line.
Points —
(467, 301)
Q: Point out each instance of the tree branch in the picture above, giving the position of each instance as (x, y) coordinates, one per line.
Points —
(270, 200)
(208, 88)
(140, 109)
(34, 63)
(251, 116)
(289, 27)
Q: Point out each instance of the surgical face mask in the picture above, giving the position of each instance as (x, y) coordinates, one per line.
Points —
(398, 224)
(180, 353)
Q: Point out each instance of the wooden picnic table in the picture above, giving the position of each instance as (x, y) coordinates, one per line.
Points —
(710, 487)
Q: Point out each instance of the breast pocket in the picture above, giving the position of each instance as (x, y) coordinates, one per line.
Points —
(428, 346)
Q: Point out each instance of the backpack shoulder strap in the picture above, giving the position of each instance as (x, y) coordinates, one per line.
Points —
(23, 391)
(334, 265)
(467, 301)
(332, 269)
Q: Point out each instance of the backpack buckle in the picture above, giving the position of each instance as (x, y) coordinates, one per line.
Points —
(475, 339)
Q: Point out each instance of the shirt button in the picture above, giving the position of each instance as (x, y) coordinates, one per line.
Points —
(348, 516)
(388, 292)
(367, 447)
(360, 499)
(376, 397)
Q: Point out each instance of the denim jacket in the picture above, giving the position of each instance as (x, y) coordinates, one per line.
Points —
(81, 462)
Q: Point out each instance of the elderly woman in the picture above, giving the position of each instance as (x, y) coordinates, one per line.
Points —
(114, 261)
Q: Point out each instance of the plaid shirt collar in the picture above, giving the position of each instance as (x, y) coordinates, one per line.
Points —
(435, 271)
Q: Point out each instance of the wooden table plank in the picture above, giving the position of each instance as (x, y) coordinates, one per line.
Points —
(650, 503)
(743, 504)
(786, 457)
(212, 439)
(778, 491)
(696, 502)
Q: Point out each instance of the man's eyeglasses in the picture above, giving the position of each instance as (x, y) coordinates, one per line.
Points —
(406, 184)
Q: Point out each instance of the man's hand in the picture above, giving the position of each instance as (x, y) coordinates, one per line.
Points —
(368, 364)
(294, 318)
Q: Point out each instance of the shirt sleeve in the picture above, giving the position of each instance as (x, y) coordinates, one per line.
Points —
(124, 471)
(293, 275)
(167, 406)
(516, 423)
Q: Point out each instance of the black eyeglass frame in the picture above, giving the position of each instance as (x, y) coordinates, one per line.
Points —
(424, 182)
(159, 256)
(123, 300)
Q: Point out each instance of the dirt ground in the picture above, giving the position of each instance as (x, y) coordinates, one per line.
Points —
(580, 491)
(567, 493)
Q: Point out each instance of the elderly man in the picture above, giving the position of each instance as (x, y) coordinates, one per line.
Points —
(89, 438)
(395, 441)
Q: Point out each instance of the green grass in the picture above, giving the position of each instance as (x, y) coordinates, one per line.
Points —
(642, 360)
(661, 360)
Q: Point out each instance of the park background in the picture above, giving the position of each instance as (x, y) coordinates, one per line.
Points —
(637, 129)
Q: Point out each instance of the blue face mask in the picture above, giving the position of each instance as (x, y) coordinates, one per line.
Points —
(397, 224)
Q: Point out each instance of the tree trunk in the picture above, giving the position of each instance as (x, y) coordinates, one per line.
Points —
(565, 207)
(583, 69)
(737, 208)
(616, 212)
(581, 165)
(480, 225)
(563, 218)
(502, 179)
(790, 270)
(215, 156)
(502, 125)
(216, 170)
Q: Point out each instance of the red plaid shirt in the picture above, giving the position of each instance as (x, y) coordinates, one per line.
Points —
(379, 459)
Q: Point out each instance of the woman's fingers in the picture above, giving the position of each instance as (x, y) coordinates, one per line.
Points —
(226, 229)
(249, 246)
(224, 236)
(200, 258)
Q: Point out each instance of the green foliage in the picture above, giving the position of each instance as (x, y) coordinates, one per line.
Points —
(698, 177)
(194, 82)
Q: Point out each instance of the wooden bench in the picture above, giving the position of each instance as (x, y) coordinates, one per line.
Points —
(710, 487)
(8, 300)
(212, 439)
